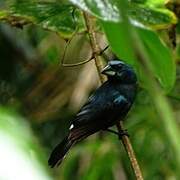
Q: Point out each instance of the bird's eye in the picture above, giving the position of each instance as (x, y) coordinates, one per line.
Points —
(120, 65)
(117, 67)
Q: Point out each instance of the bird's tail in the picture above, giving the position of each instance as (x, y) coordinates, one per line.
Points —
(61, 149)
(59, 152)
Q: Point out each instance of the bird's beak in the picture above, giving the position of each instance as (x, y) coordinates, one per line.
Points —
(108, 71)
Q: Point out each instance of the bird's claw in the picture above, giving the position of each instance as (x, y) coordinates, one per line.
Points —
(122, 133)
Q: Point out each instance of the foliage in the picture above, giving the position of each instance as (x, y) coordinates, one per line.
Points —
(144, 33)
(49, 15)
(17, 143)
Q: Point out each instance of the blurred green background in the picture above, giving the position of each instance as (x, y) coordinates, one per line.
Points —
(39, 97)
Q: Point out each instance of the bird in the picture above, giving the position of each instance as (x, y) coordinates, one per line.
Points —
(108, 105)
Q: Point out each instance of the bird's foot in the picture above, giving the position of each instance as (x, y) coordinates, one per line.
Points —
(112, 131)
(122, 133)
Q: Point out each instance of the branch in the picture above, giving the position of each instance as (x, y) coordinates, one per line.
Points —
(96, 52)
(94, 45)
(129, 149)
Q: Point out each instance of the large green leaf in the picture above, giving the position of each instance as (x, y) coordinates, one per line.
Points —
(57, 17)
(159, 55)
(140, 14)
(161, 58)
(119, 40)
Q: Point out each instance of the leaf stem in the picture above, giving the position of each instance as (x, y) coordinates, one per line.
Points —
(96, 52)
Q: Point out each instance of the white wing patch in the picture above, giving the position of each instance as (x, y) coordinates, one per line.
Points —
(71, 127)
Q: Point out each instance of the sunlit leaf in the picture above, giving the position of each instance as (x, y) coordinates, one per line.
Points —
(156, 18)
(140, 14)
(154, 3)
(49, 15)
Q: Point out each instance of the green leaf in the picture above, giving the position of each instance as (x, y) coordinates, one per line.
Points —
(119, 40)
(139, 1)
(106, 10)
(156, 18)
(161, 58)
(157, 3)
(49, 15)
(154, 3)
(140, 14)
(120, 37)
(60, 18)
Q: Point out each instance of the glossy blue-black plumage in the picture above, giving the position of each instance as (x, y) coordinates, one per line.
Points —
(109, 103)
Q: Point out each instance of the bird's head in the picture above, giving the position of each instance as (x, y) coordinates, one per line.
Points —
(118, 70)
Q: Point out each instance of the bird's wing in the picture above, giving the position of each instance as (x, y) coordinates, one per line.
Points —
(120, 101)
(97, 114)
(97, 107)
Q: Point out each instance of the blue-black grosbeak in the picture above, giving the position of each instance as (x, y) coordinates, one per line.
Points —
(105, 107)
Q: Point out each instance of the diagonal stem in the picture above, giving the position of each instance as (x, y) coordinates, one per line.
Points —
(94, 45)
(125, 139)
(129, 149)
